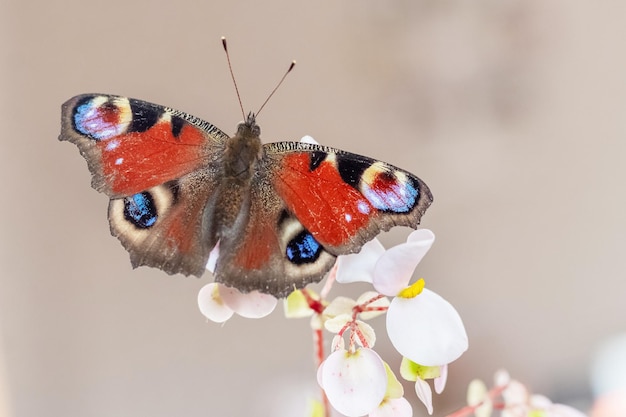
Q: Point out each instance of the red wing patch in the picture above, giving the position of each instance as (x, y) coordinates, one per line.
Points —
(140, 160)
(328, 207)
(255, 253)
(132, 145)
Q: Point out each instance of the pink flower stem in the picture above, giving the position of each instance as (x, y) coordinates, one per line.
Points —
(318, 337)
(332, 276)
(318, 340)
(316, 305)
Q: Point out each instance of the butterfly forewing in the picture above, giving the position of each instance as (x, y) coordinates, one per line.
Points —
(345, 199)
(132, 145)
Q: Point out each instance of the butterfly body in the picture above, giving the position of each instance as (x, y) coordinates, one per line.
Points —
(281, 212)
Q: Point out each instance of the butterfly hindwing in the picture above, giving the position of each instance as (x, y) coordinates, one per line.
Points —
(166, 227)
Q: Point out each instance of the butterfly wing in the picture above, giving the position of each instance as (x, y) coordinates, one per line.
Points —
(159, 166)
(345, 199)
(310, 203)
(132, 145)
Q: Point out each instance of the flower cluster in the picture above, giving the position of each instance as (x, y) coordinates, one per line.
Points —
(512, 399)
(423, 327)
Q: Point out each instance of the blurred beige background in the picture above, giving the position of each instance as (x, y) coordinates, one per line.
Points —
(512, 111)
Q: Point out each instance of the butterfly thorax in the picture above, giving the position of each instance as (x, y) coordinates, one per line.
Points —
(243, 151)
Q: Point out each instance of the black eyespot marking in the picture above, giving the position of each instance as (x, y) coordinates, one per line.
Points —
(174, 187)
(317, 158)
(177, 125)
(351, 170)
(140, 210)
(303, 249)
(284, 215)
(144, 115)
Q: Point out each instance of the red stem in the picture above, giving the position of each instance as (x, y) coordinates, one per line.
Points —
(318, 337)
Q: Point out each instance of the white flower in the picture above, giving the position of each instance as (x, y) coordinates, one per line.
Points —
(426, 329)
(421, 325)
(516, 401)
(354, 382)
(412, 371)
(218, 302)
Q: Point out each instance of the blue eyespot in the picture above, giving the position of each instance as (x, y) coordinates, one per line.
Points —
(395, 196)
(140, 210)
(98, 119)
(303, 249)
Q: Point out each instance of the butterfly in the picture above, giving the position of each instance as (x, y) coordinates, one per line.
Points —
(282, 212)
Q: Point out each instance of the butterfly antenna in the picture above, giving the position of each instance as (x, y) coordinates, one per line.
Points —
(232, 75)
(293, 64)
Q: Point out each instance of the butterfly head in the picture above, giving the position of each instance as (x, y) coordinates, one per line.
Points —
(249, 129)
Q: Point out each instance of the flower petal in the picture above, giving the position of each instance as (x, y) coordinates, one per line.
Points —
(337, 323)
(440, 381)
(340, 305)
(296, 305)
(393, 407)
(562, 410)
(359, 267)
(354, 383)
(337, 343)
(394, 387)
(394, 269)
(215, 253)
(426, 329)
(212, 305)
(316, 409)
(252, 305)
(477, 394)
(548, 408)
(501, 378)
(367, 335)
(379, 306)
(412, 371)
(425, 394)
(308, 139)
(515, 393)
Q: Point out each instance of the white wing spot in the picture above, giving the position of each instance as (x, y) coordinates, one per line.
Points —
(112, 145)
(363, 207)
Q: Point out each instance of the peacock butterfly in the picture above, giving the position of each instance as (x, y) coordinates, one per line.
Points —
(281, 212)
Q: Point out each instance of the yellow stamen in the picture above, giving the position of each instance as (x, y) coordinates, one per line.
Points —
(414, 290)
